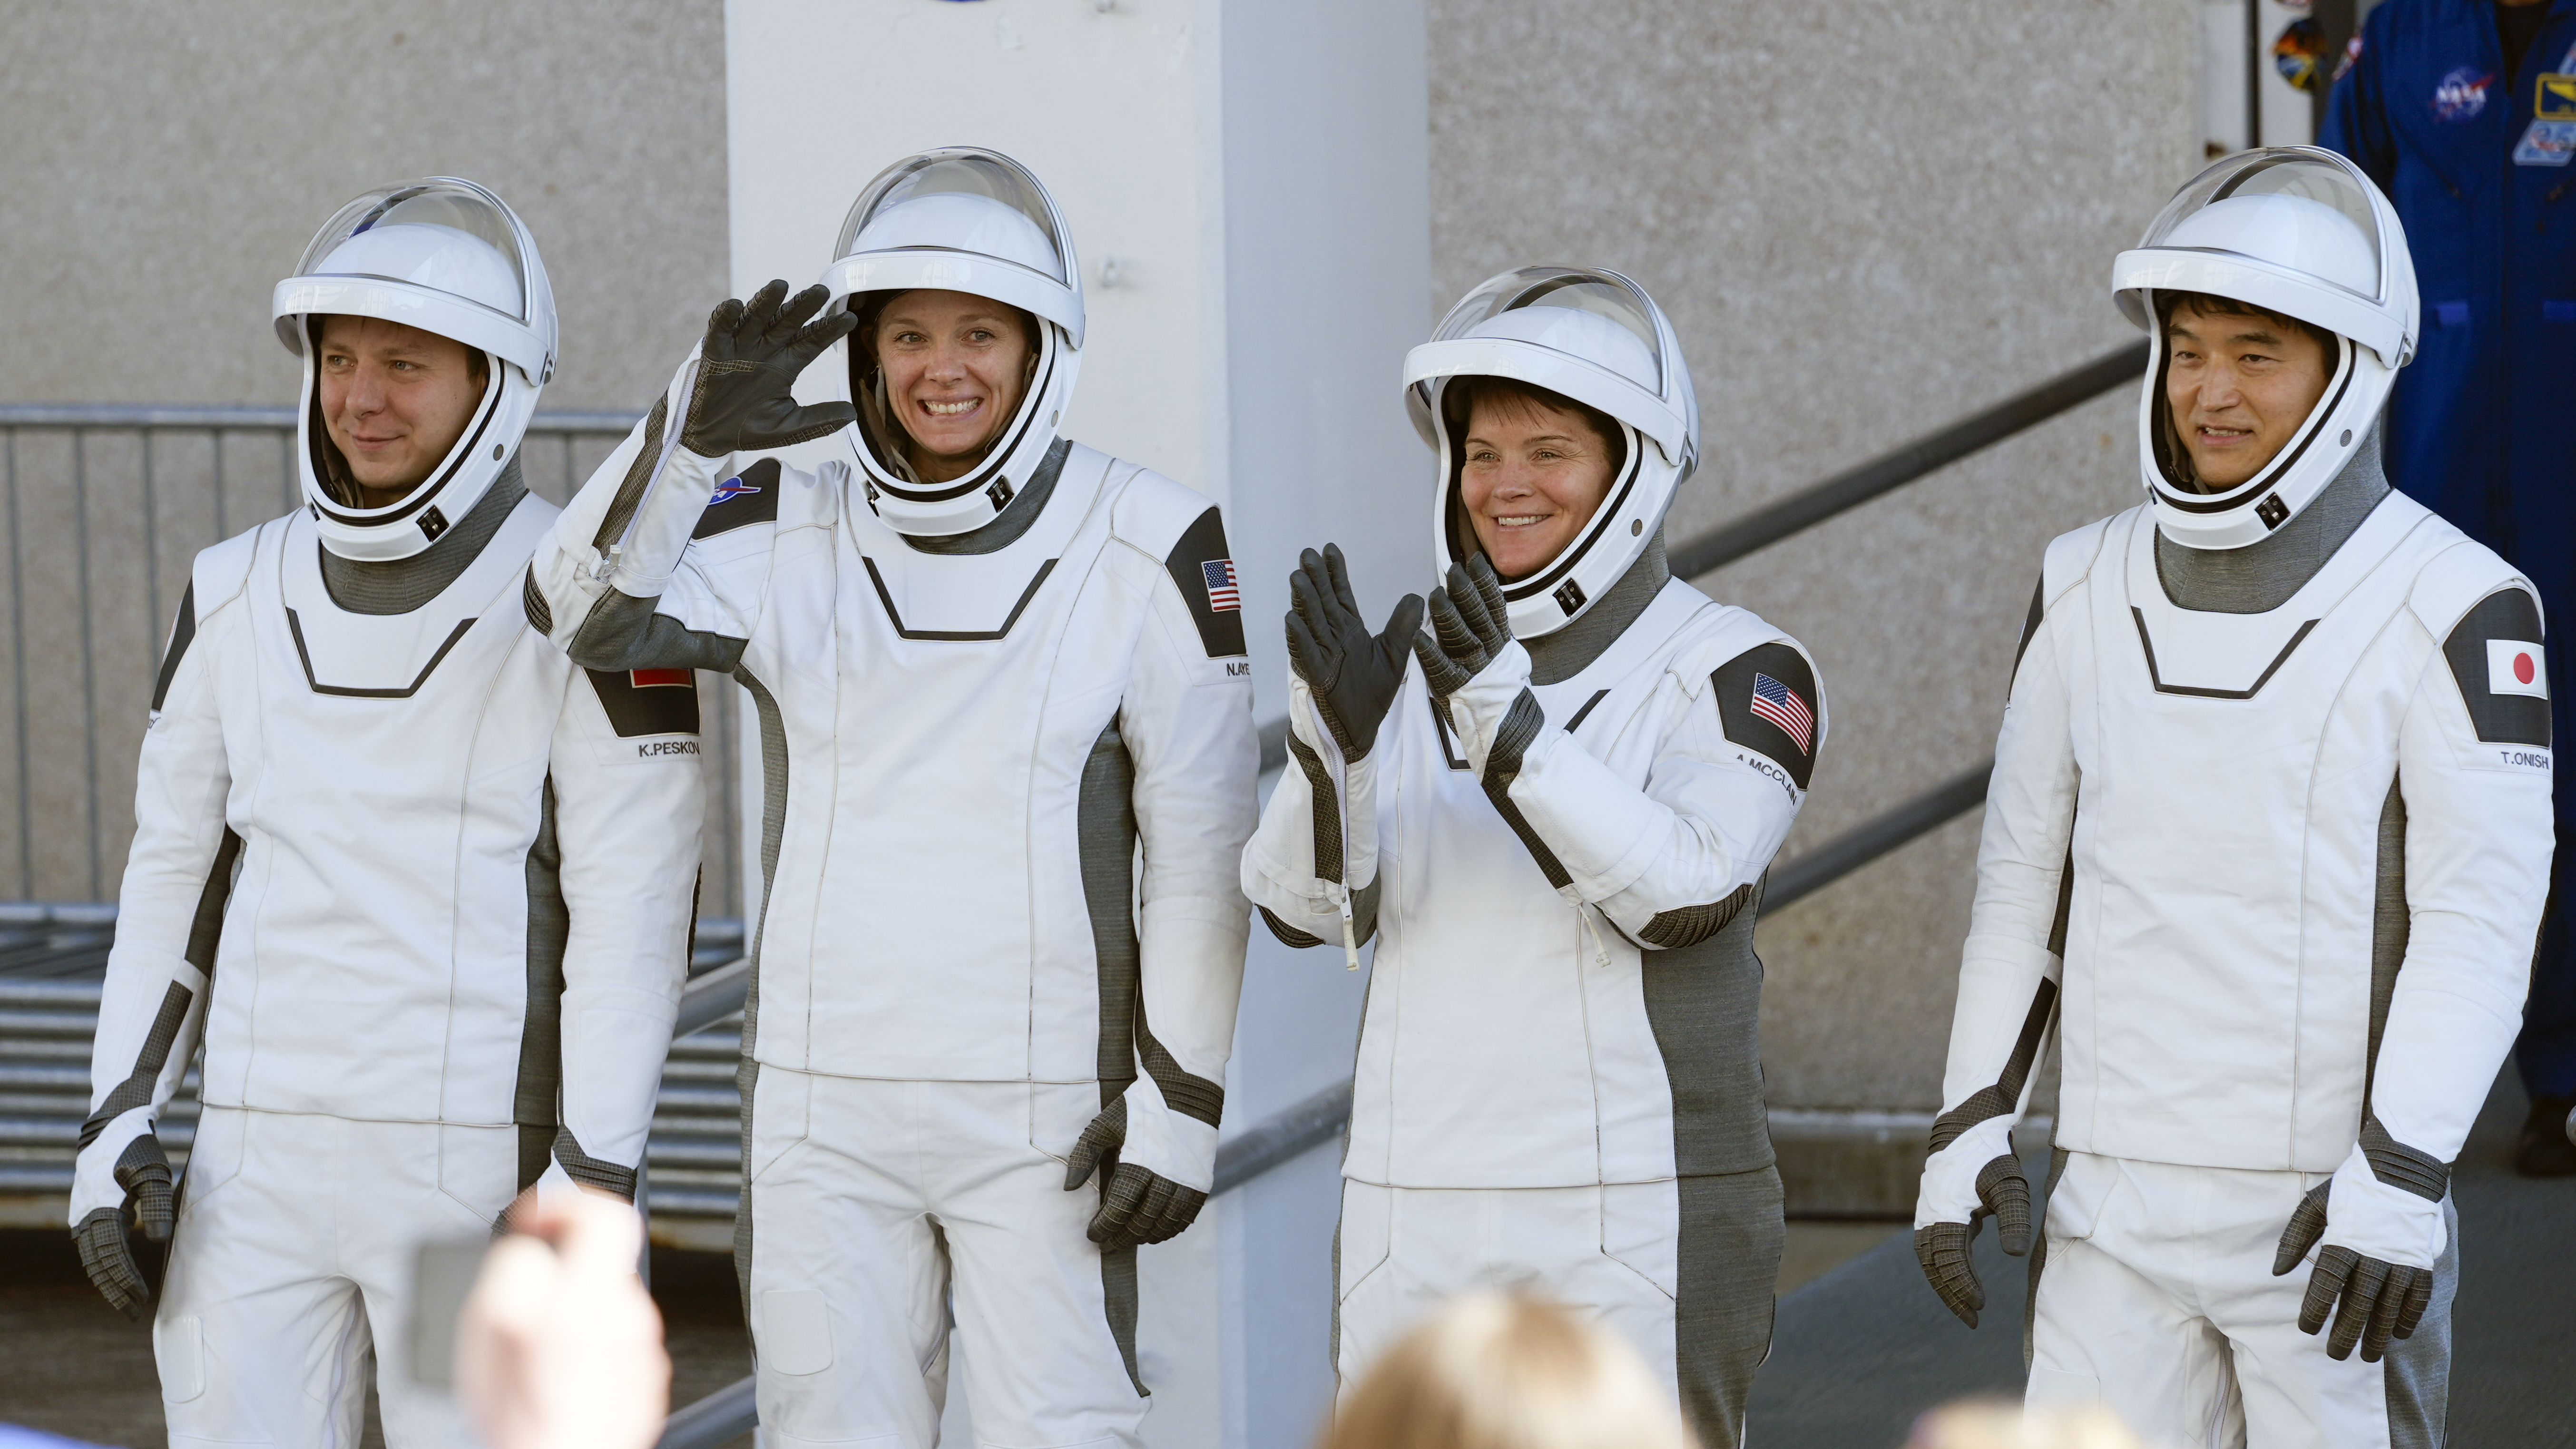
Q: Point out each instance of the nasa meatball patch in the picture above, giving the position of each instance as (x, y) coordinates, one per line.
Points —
(2495, 657)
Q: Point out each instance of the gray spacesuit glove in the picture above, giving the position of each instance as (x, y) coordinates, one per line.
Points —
(1479, 672)
(151, 1208)
(1137, 1205)
(1942, 1248)
(747, 368)
(2380, 1219)
(1354, 674)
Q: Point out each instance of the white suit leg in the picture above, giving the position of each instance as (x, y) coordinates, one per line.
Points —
(295, 1255)
(848, 1277)
(2158, 1298)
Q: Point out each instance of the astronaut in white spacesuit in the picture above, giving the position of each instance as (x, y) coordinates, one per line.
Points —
(2268, 838)
(422, 887)
(988, 663)
(1556, 827)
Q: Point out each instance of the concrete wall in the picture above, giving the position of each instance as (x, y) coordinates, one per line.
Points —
(1866, 220)
(167, 164)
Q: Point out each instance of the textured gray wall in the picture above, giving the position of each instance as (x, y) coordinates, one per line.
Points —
(164, 167)
(1866, 219)
(167, 164)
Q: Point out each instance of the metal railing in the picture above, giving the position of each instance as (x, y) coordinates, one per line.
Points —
(103, 507)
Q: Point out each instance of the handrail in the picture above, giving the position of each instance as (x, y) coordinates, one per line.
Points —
(162, 415)
(1853, 487)
(1819, 866)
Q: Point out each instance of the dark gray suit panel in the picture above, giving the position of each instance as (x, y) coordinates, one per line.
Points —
(1731, 1238)
(2261, 576)
(1704, 1003)
(1106, 840)
(773, 828)
(398, 586)
(541, 1030)
(623, 632)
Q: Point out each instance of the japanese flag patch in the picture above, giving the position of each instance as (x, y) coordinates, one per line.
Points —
(2514, 667)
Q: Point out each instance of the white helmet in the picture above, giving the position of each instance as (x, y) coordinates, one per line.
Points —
(1592, 336)
(2293, 230)
(960, 219)
(448, 257)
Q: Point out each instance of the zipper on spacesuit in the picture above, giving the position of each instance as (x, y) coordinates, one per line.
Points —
(1350, 931)
(608, 558)
(1584, 912)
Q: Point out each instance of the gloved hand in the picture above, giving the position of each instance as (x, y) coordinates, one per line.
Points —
(2380, 1219)
(1477, 670)
(1137, 1203)
(150, 1208)
(1942, 1247)
(1354, 674)
(747, 365)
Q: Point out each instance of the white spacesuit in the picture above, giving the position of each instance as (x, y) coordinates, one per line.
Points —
(423, 888)
(977, 697)
(2273, 786)
(1559, 841)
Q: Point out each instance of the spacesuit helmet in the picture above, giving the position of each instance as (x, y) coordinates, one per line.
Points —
(445, 256)
(959, 219)
(1592, 336)
(2297, 231)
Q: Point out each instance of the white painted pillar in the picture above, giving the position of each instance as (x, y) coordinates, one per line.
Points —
(1246, 182)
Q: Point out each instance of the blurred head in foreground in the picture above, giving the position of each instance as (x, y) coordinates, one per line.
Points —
(2001, 1424)
(1497, 1371)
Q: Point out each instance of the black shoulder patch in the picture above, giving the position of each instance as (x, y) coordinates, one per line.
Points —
(648, 701)
(182, 631)
(750, 496)
(1766, 698)
(2029, 631)
(1204, 572)
(2499, 640)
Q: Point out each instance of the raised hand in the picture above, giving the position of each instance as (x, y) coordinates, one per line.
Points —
(747, 369)
(1469, 618)
(1354, 674)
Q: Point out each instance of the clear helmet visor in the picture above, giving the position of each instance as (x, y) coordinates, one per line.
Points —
(1589, 316)
(2292, 229)
(426, 233)
(2285, 208)
(963, 200)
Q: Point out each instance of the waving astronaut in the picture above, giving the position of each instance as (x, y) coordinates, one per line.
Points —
(988, 663)
(2268, 837)
(1555, 822)
(423, 888)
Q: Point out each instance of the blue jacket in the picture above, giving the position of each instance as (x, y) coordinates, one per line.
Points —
(2483, 426)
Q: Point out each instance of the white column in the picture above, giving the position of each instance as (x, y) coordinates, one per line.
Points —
(1246, 184)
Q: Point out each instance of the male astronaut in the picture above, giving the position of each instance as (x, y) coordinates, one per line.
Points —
(1556, 826)
(988, 664)
(422, 887)
(2268, 836)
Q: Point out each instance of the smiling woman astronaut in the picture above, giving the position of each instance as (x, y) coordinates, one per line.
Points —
(1556, 824)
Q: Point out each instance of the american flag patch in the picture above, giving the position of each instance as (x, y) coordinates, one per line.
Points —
(648, 678)
(1781, 705)
(1222, 594)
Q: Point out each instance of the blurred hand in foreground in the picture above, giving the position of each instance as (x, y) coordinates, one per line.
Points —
(1999, 1424)
(559, 1346)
